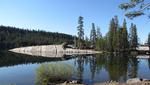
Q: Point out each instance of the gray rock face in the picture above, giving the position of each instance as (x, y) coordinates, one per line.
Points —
(50, 51)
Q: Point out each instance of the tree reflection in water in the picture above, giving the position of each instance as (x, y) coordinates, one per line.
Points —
(119, 67)
(133, 67)
(80, 67)
(149, 62)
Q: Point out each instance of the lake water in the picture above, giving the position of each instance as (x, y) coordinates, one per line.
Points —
(21, 69)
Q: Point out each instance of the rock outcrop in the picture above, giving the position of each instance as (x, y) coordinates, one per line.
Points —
(51, 51)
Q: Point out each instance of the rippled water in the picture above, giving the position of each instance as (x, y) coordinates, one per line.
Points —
(22, 70)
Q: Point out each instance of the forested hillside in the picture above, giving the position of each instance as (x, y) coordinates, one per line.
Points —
(11, 37)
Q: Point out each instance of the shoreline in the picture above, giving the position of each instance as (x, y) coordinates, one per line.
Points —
(132, 81)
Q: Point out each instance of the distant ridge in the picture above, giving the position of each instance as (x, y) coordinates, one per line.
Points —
(12, 37)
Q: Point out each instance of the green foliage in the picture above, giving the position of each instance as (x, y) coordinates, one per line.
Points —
(115, 29)
(53, 73)
(11, 37)
(87, 42)
(80, 40)
(99, 40)
(125, 36)
(112, 34)
(98, 33)
(133, 36)
(116, 40)
(93, 36)
(135, 8)
(117, 37)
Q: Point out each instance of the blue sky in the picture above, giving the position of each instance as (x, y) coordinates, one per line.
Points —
(62, 15)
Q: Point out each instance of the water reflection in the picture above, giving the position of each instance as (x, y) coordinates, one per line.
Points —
(80, 67)
(11, 59)
(119, 67)
(133, 67)
(88, 69)
(149, 63)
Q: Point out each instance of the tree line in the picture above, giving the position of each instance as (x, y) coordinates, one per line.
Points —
(12, 37)
(116, 39)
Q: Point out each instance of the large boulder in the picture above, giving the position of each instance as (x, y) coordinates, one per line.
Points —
(134, 81)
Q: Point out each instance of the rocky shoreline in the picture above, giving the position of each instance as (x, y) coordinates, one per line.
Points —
(133, 81)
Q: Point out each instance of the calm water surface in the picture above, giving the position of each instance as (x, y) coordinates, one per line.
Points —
(21, 69)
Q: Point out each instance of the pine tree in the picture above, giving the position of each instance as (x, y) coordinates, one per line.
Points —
(80, 33)
(130, 35)
(134, 37)
(125, 36)
(99, 40)
(115, 33)
(99, 34)
(110, 35)
(93, 36)
(119, 40)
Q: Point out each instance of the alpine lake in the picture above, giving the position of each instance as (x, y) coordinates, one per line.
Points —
(18, 69)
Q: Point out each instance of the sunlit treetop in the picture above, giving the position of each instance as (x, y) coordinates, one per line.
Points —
(135, 8)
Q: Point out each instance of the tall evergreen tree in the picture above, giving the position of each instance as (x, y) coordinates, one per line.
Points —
(93, 35)
(125, 36)
(119, 40)
(80, 33)
(130, 34)
(110, 35)
(99, 40)
(99, 34)
(116, 26)
(134, 37)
